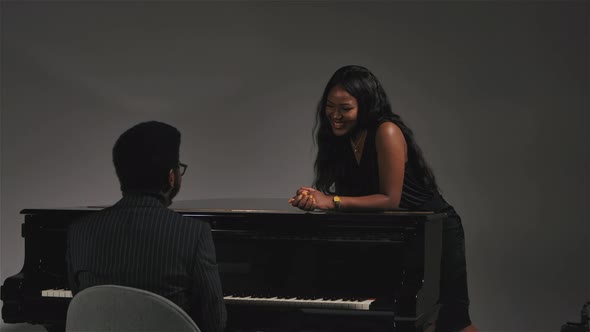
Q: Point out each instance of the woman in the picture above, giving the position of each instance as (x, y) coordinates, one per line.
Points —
(368, 159)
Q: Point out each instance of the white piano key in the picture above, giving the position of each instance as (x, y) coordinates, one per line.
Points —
(65, 293)
(295, 302)
(262, 300)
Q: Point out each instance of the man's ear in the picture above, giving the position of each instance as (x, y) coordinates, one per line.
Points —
(171, 178)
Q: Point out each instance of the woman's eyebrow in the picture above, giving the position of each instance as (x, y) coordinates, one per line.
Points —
(342, 104)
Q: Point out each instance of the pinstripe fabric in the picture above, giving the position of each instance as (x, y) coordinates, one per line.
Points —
(140, 243)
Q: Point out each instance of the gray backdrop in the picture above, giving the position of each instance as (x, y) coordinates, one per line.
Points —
(496, 92)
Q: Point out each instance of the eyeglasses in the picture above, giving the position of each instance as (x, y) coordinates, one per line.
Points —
(182, 168)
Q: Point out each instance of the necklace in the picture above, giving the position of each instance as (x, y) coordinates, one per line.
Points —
(355, 146)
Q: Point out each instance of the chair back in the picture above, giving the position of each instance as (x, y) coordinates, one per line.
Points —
(118, 308)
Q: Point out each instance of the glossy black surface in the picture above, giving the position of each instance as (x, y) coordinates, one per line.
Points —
(265, 246)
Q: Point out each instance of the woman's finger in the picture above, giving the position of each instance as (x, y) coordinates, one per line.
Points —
(302, 192)
(303, 202)
(309, 203)
(295, 200)
(308, 189)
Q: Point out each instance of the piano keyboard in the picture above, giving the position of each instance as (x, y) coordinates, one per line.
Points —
(56, 293)
(292, 302)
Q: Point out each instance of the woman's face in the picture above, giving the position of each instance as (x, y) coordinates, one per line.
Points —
(341, 111)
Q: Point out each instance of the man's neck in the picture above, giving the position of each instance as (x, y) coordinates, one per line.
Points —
(162, 197)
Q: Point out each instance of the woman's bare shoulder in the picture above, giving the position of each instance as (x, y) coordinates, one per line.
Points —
(389, 129)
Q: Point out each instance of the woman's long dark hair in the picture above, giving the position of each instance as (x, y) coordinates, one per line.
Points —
(373, 109)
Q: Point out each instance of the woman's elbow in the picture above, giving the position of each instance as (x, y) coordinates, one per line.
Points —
(393, 203)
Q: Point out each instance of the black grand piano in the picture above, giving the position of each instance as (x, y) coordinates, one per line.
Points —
(282, 269)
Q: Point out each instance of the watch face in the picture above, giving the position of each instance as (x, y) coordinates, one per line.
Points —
(336, 200)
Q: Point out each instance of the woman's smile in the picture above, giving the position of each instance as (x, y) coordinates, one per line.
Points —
(341, 111)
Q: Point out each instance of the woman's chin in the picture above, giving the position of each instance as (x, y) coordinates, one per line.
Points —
(339, 131)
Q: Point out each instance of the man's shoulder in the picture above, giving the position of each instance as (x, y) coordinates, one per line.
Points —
(158, 213)
(117, 213)
(151, 219)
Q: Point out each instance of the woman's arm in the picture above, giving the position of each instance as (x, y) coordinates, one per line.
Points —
(391, 158)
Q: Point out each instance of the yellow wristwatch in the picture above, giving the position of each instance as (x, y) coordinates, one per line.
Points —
(336, 200)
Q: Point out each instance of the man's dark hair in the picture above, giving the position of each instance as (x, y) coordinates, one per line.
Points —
(144, 155)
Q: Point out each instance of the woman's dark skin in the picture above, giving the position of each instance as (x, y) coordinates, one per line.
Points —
(392, 154)
(342, 110)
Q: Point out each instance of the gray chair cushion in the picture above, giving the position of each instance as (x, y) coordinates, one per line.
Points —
(118, 308)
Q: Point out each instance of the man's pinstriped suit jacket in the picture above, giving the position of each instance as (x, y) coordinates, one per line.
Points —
(140, 243)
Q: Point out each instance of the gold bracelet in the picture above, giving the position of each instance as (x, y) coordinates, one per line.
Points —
(336, 200)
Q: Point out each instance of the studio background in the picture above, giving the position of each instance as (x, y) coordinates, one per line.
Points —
(496, 93)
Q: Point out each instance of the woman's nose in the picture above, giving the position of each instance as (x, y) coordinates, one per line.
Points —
(336, 115)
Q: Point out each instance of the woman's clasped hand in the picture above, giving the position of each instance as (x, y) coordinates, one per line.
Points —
(309, 199)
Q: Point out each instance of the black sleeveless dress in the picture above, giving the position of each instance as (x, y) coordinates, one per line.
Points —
(361, 179)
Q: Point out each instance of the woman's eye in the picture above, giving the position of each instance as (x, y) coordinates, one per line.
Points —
(346, 109)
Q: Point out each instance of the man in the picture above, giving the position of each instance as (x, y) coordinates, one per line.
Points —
(139, 242)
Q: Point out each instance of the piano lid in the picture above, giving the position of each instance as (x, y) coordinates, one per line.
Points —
(221, 205)
(236, 205)
(262, 205)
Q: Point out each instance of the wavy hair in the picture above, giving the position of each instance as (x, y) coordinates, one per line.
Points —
(373, 109)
